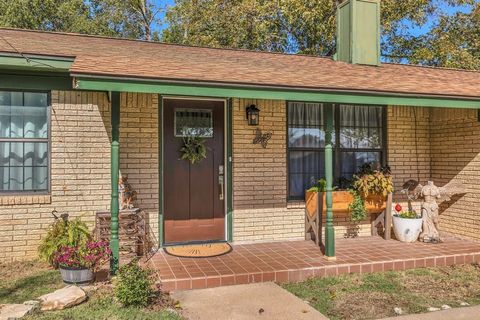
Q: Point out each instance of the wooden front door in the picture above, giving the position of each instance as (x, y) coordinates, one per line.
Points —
(194, 194)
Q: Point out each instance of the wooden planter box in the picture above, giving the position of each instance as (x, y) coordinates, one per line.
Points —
(341, 201)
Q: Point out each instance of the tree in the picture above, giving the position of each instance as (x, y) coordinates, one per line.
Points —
(123, 18)
(295, 26)
(454, 41)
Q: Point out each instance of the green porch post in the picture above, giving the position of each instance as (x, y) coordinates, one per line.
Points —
(115, 159)
(329, 231)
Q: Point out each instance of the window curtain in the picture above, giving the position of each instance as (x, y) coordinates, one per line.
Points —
(306, 138)
(23, 141)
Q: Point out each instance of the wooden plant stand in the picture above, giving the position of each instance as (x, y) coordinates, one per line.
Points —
(132, 230)
(314, 207)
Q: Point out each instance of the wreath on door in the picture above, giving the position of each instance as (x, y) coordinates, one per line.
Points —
(193, 149)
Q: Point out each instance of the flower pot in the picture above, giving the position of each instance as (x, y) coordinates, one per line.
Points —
(407, 230)
(341, 202)
(78, 276)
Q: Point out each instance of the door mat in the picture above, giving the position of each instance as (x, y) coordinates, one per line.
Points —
(199, 250)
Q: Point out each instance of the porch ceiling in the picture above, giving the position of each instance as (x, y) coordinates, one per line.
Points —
(274, 93)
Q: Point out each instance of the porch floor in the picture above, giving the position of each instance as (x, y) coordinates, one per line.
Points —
(295, 261)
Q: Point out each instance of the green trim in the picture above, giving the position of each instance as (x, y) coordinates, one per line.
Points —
(115, 165)
(270, 93)
(35, 63)
(160, 172)
(22, 81)
(229, 170)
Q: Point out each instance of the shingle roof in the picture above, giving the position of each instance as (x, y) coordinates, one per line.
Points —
(140, 59)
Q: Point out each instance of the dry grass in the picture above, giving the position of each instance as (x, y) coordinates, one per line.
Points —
(373, 296)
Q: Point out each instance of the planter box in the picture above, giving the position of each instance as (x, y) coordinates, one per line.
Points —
(76, 275)
(341, 201)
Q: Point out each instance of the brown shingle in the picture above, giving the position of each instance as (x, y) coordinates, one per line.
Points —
(140, 59)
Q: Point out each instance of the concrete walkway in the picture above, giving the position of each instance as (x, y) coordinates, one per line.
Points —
(465, 313)
(266, 301)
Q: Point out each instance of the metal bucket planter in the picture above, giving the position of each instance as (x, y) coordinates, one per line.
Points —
(78, 276)
(407, 230)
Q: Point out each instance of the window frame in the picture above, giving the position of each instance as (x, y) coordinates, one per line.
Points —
(48, 140)
(337, 150)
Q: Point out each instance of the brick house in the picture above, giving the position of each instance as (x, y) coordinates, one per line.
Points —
(76, 108)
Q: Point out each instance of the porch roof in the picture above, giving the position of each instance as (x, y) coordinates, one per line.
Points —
(102, 57)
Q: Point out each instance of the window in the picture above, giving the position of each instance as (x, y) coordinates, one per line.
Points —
(359, 129)
(24, 146)
(193, 122)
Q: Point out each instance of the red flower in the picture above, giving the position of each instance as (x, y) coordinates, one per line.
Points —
(398, 207)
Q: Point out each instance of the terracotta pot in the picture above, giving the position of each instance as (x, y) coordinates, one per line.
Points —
(407, 230)
(341, 201)
(78, 276)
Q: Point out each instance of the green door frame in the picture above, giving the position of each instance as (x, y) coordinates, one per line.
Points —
(228, 160)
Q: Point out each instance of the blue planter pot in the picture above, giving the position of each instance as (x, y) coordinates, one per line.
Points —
(78, 276)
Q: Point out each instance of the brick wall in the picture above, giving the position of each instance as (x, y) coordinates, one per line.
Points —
(80, 167)
(139, 152)
(408, 159)
(455, 135)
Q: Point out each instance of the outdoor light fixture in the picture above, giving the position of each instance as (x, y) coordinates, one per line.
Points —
(253, 115)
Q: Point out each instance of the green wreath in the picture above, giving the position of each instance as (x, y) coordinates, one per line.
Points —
(193, 149)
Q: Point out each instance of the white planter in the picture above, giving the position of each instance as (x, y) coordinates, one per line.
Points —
(407, 230)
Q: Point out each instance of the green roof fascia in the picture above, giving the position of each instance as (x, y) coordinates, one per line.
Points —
(22, 80)
(34, 63)
(251, 92)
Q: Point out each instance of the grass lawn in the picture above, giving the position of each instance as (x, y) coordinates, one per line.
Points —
(375, 295)
(21, 281)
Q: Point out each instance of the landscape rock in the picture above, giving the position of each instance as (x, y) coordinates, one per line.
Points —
(432, 309)
(15, 311)
(63, 298)
(446, 307)
(464, 304)
(34, 303)
(398, 311)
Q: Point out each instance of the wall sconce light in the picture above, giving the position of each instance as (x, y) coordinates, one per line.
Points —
(253, 115)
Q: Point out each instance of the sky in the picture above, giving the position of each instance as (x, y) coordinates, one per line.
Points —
(415, 31)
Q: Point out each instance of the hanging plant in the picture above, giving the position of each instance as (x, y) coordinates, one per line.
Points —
(193, 149)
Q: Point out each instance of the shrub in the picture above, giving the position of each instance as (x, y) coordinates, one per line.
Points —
(63, 232)
(133, 286)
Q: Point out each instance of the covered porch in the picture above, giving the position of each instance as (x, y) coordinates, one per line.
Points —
(299, 260)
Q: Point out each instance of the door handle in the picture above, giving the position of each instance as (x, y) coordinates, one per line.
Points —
(221, 182)
(221, 185)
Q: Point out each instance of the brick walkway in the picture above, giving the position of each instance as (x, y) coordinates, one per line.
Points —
(299, 260)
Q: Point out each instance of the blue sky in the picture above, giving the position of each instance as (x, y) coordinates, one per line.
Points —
(416, 31)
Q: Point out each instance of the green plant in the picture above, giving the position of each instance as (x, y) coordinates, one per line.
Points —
(91, 255)
(320, 186)
(63, 232)
(193, 149)
(370, 181)
(133, 286)
(357, 209)
(407, 215)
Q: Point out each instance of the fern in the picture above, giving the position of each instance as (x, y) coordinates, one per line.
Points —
(63, 232)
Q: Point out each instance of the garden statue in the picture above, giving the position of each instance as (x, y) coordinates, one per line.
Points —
(431, 194)
(127, 194)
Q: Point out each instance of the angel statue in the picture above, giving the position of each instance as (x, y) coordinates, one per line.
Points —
(429, 208)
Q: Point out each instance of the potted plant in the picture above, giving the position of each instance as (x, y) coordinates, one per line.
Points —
(78, 264)
(69, 245)
(366, 194)
(369, 191)
(407, 225)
